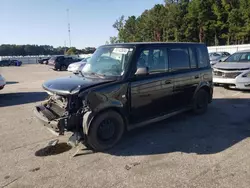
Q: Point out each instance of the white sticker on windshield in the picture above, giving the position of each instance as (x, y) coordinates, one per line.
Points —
(121, 50)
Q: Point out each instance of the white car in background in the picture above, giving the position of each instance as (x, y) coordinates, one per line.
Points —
(216, 57)
(2, 82)
(76, 67)
(234, 71)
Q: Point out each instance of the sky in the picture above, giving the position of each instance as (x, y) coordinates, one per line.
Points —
(45, 21)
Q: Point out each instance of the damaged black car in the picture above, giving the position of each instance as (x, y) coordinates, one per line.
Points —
(125, 86)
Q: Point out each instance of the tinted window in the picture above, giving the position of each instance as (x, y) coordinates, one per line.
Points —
(179, 59)
(245, 57)
(203, 60)
(234, 58)
(192, 56)
(155, 59)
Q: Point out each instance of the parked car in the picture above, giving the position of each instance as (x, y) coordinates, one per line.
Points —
(234, 71)
(44, 60)
(16, 63)
(125, 86)
(217, 57)
(9, 62)
(62, 62)
(2, 82)
(4, 63)
(76, 67)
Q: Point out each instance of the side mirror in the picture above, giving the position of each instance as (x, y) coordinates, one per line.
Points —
(142, 71)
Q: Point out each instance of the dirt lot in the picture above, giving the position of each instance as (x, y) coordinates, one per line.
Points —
(211, 150)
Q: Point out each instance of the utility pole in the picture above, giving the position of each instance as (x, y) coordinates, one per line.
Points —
(69, 28)
(64, 47)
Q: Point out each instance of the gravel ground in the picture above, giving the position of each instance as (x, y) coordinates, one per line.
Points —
(211, 150)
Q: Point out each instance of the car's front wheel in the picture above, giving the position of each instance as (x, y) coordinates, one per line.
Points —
(105, 130)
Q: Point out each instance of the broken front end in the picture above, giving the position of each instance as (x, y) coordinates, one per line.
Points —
(63, 113)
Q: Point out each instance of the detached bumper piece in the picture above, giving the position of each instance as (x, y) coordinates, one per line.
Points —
(50, 119)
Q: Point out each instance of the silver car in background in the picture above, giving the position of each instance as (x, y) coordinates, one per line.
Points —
(216, 57)
(2, 82)
(234, 71)
(76, 67)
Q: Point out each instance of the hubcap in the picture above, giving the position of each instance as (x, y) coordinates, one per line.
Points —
(106, 130)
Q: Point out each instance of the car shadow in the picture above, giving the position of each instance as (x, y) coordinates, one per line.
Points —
(11, 99)
(225, 124)
(12, 82)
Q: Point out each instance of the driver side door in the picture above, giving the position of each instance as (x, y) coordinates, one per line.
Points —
(151, 94)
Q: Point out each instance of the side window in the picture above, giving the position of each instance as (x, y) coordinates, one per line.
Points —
(192, 57)
(155, 59)
(179, 59)
(245, 57)
(203, 60)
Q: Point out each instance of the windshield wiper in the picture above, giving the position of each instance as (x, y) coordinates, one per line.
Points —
(81, 74)
(98, 75)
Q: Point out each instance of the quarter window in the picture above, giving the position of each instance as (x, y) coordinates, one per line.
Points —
(179, 59)
(192, 56)
(202, 57)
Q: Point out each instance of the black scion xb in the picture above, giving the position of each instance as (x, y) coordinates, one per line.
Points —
(125, 86)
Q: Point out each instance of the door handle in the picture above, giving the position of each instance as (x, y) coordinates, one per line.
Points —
(197, 76)
(168, 82)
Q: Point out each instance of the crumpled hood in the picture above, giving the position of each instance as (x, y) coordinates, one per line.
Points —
(71, 84)
(229, 66)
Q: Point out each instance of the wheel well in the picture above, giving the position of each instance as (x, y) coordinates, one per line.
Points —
(119, 111)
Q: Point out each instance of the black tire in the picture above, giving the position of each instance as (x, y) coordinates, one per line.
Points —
(200, 102)
(63, 68)
(96, 135)
(226, 86)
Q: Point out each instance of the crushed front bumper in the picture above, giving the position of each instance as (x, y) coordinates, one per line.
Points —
(49, 119)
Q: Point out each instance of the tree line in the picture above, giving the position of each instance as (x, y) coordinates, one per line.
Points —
(214, 22)
(23, 50)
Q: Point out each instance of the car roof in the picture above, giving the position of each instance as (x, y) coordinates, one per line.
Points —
(243, 51)
(151, 43)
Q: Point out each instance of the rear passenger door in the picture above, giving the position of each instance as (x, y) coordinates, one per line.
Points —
(183, 64)
(151, 95)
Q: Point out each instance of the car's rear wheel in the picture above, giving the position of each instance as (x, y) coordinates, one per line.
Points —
(200, 102)
(105, 130)
(63, 68)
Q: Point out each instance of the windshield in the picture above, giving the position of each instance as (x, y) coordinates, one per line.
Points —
(53, 58)
(108, 61)
(85, 59)
(239, 57)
